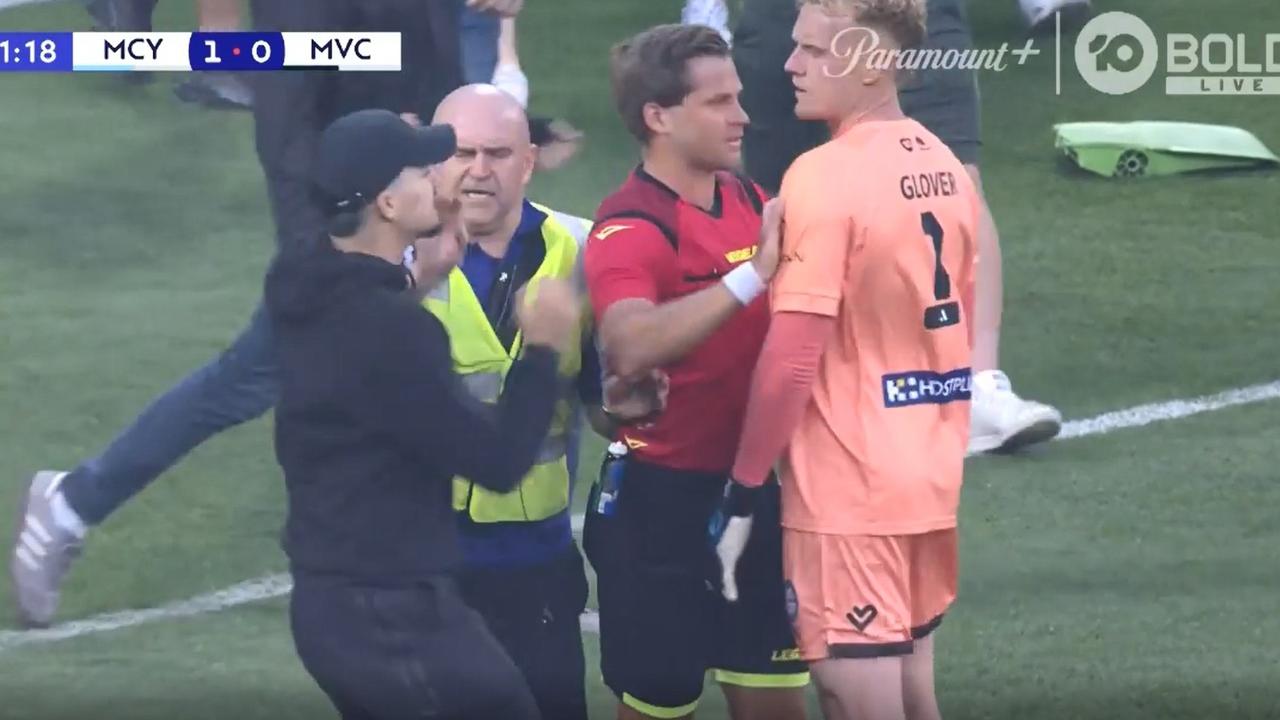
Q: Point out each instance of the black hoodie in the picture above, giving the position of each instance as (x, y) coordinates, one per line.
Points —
(373, 423)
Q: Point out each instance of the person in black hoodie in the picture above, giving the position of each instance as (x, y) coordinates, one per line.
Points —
(290, 109)
(372, 425)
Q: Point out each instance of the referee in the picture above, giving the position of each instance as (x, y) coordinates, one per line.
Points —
(676, 267)
(373, 424)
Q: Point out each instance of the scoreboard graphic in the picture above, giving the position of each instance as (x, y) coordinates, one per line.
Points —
(198, 51)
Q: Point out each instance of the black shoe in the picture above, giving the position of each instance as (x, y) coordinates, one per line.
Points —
(121, 15)
(105, 14)
(215, 90)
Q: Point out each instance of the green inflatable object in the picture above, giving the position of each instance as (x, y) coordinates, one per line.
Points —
(1148, 149)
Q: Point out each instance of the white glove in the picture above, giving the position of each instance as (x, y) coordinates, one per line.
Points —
(729, 549)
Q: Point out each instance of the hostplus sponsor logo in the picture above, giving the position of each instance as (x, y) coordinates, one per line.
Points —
(921, 387)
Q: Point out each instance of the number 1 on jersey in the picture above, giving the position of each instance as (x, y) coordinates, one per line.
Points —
(947, 313)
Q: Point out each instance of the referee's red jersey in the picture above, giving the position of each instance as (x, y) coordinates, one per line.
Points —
(648, 243)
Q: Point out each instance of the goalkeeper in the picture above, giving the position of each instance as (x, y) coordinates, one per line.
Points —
(864, 377)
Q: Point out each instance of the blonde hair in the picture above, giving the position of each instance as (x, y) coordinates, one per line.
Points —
(904, 19)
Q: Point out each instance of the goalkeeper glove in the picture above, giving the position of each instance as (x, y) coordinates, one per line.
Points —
(730, 529)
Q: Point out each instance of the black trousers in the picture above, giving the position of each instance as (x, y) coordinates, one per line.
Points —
(775, 137)
(534, 612)
(384, 653)
(291, 109)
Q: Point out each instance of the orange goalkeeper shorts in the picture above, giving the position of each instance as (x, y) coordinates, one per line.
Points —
(858, 596)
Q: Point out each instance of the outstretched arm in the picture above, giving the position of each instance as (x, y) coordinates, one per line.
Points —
(624, 261)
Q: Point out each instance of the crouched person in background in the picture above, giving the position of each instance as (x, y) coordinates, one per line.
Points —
(373, 425)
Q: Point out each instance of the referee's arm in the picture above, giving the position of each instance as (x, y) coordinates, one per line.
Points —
(624, 268)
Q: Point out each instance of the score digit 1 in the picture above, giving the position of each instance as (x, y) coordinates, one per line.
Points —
(211, 58)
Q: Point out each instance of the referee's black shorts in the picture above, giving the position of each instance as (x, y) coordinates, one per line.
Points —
(663, 621)
(407, 652)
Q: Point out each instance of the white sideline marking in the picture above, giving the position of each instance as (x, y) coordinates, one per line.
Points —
(264, 588)
(274, 586)
(6, 4)
(1171, 410)
(251, 591)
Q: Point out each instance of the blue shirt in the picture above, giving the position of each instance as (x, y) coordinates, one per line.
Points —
(481, 268)
(516, 543)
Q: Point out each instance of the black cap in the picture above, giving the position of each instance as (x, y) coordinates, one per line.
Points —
(361, 154)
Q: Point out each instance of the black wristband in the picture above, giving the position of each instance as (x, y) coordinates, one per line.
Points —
(740, 500)
(540, 356)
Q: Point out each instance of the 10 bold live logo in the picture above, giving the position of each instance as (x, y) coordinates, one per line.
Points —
(1117, 53)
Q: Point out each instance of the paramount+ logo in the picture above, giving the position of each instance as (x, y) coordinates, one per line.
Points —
(1117, 53)
(921, 387)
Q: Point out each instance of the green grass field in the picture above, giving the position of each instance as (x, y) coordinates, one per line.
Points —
(1124, 575)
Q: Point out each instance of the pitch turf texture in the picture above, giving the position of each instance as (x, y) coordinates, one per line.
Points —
(1125, 575)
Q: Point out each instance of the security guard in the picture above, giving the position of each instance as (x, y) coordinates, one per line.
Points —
(522, 570)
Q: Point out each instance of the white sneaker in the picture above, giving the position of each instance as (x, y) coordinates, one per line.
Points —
(712, 13)
(1000, 420)
(42, 551)
(1039, 13)
(512, 80)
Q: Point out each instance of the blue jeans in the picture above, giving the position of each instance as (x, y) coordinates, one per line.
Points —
(239, 385)
(480, 31)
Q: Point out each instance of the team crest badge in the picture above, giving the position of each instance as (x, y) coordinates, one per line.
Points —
(793, 603)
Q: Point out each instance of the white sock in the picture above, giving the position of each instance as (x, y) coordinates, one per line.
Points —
(66, 518)
(1034, 10)
(511, 79)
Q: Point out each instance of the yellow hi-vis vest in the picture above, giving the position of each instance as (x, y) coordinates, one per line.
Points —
(483, 362)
